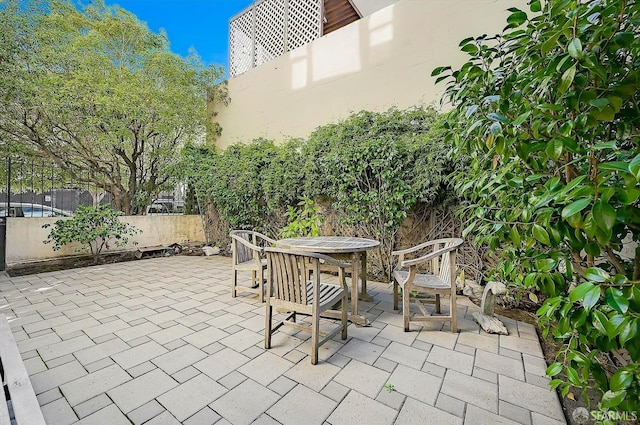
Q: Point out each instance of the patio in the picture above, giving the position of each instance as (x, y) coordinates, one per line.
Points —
(161, 341)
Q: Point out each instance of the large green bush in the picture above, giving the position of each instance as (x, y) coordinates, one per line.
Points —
(94, 228)
(371, 168)
(548, 114)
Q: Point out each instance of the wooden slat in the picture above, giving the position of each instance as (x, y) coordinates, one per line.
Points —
(25, 405)
(4, 411)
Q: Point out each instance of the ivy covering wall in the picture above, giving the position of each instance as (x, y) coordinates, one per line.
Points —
(366, 172)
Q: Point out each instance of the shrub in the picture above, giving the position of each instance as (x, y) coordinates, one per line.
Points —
(548, 113)
(94, 228)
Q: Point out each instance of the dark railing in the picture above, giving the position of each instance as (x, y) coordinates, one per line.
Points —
(35, 188)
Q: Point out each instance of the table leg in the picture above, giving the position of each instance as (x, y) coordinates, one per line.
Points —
(363, 294)
(355, 272)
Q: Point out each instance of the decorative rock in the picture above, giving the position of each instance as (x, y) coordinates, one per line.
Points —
(486, 319)
(210, 250)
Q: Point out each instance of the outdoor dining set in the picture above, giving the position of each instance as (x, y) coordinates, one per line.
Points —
(287, 275)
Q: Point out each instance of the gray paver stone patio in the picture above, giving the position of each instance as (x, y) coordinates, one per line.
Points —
(161, 341)
(360, 409)
(246, 402)
(191, 396)
(414, 412)
(302, 406)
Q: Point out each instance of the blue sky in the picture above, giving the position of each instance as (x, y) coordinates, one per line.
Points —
(202, 24)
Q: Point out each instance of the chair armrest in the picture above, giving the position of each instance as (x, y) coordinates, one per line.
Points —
(265, 238)
(332, 261)
(419, 247)
(247, 243)
(429, 256)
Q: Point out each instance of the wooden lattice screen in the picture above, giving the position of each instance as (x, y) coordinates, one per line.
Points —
(270, 28)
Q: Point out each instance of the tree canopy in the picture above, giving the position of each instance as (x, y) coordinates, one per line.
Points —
(94, 90)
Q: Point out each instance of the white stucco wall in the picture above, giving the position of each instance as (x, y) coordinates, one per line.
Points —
(380, 61)
(25, 236)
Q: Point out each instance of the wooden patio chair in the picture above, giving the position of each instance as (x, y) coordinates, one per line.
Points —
(293, 279)
(440, 281)
(247, 255)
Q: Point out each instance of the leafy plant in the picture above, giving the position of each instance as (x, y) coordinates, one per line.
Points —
(304, 220)
(547, 113)
(94, 228)
(389, 387)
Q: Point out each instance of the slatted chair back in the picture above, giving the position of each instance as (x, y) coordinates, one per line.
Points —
(243, 252)
(291, 275)
(447, 261)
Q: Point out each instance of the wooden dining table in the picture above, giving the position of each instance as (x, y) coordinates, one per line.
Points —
(341, 248)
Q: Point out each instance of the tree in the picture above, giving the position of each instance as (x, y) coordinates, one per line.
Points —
(98, 93)
(548, 112)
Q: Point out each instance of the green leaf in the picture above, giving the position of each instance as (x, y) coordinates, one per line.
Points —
(514, 235)
(541, 235)
(604, 215)
(606, 114)
(620, 380)
(634, 166)
(517, 18)
(616, 300)
(535, 6)
(612, 398)
(497, 117)
(595, 274)
(575, 207)
(591, 297)
(629, 331)
(550, 43)
(600, 323)
(599, 103)
(615, 102)
(624, 39)
(575, 48)
(554, 149)
(578, 293)
(522, 118)
(554, 369)
(567, 79)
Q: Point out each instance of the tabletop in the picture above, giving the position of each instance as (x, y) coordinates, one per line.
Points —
(330, 244)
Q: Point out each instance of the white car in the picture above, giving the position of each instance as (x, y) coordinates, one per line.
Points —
(26, 209)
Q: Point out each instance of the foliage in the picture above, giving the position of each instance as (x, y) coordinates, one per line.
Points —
(303, 221)
(548, 113)
(92, 88)
(377, 166)
(93, 227)
(371, 168)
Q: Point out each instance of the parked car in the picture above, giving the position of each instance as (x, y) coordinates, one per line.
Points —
(26, 209)
(165, 206)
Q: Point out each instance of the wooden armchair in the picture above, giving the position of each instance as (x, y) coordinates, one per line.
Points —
(293, 279)
(441, 280)
(247, 255)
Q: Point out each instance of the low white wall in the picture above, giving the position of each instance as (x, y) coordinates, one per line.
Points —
(25, 236)
(377, 62)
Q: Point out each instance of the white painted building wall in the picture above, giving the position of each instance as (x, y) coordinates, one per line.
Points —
(380, 61)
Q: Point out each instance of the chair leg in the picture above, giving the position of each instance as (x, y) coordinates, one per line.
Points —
(267, 325)
(315, 333)
(395, 294)
(454, 314)
(234, 283)
(344, 316)
(406, 293)
(261, 286)
(438, 307)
